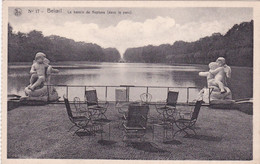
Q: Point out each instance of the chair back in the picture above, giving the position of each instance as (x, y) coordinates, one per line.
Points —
(137, 115)
(91, 97)
(77, 103)
(121, 95)
(67, 104)
(196, 111)
(172, 98)
(146, 97)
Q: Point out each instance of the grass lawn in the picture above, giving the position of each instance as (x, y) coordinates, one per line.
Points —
(42, 132)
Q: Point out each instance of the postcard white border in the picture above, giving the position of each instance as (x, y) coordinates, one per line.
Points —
(158, 4)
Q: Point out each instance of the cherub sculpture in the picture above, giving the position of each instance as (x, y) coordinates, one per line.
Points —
(217, 80)
(41, 73)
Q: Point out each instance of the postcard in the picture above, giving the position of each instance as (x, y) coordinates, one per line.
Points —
(133, 81)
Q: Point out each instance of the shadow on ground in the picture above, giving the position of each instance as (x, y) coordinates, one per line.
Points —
(173, 142)
(204, 137)
(147, 147)
(106, 142)
(84, 133)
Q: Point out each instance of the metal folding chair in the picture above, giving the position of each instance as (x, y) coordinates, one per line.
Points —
(135, 126)
(146, 98)
(167, 109)
(94, 105)
(81, 119)
(122, 102)
(185, 124)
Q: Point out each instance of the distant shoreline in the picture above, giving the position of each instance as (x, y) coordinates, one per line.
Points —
(95, 65)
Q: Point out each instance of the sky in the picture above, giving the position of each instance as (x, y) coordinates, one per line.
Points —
(134, 27)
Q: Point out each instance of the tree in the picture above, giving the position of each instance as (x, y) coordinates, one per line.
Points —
(22, 47)
(236, 43)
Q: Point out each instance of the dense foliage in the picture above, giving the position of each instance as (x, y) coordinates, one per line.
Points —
(22, 47)
(236, 46)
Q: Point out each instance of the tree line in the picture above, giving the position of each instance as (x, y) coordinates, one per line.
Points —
(236, 46)
(22, 47)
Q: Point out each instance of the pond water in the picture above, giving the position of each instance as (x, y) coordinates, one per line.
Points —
(138, 74)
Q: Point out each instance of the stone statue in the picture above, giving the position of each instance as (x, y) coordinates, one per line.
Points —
(41, 72)
(217, 81)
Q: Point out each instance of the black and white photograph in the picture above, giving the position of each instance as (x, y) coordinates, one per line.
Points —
(129, 82)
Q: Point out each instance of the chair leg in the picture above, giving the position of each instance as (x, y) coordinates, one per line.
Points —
(191, 128)
(143, 138)
(123, 138)
(159, 115)
(95, 114)
(169, 127)
(101, 133)
(172, 132)
(92, 130)
(178, 131)
(184, 130)
(164, 133)
(75, 132)
(181, 129)
(85, 129)
(102, 115)
(153, 132)
(71, 128)
(109, 131)
(124, 135)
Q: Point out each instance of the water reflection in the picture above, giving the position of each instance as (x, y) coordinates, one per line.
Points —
(75, 79)
(17, 84)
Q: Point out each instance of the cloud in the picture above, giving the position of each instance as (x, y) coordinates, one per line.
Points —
(128, 33)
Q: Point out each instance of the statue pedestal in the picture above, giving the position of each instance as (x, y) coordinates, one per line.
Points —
(39, 96)
(223, 104)
(216, 99)
(217, 95)
(34, 100)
